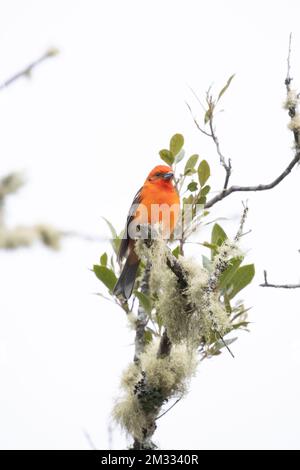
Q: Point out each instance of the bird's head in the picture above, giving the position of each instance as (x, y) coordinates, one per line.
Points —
(161, 174)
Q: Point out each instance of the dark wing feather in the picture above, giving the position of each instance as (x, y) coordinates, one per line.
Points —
(125, 240)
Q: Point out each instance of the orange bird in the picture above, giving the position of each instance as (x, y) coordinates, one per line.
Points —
(156, 202)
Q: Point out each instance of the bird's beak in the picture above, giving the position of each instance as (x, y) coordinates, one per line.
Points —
(168, 176)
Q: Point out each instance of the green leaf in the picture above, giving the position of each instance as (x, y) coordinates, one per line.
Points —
(188, 200)
(105, 275)
(227, 304)
(203, 172)
(167, 156)
(208, 115)
(193, 186)
(242, 277)
(201, 200)
(206, 263)
(145, 301)
(218, 236)
(205, 190)
(176, 144)
(180, 156)
(148, 336)
(103, 259)
(111, 227)
(209, 245)
(112, 262)
(241, 311)
(115, 240)
(242, 325)
(225, 87)
(176, 251)
(189, 168)
(227, 275)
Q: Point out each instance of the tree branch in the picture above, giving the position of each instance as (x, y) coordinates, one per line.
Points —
(278, 286)
(165, 346)
(292, 110)
(26, 72)
(260, 187)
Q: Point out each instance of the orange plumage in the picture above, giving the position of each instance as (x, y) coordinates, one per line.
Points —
(156, 202)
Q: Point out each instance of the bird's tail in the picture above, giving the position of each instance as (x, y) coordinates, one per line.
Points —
(125, 283)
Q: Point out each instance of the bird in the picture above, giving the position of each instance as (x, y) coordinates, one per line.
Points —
(156, 202)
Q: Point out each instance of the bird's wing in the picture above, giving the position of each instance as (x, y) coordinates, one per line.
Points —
(125, 240)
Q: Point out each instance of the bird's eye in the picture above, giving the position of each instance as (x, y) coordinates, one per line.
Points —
(158, 174)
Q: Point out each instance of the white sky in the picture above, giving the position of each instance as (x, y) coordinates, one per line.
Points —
(86, 129)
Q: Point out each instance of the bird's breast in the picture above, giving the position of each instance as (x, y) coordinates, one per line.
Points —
(159, 205)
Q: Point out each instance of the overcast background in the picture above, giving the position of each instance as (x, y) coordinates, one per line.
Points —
(86, 129)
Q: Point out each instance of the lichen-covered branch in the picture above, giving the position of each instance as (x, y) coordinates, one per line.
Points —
(25, 236)
(142, 318)
(10, 184)
(22, 236)
(189, 308)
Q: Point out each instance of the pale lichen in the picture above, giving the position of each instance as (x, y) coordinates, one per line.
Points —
(294, 124)
(225, 252)
(150, 384)
(22, 236)
(130, 376)
(156, 254)
(16, 237)
(190, 308)
(11, 183)
(129, 414)
(131, 318)
(292, 100)
(195, 314)
(169, 374)
(172, 306)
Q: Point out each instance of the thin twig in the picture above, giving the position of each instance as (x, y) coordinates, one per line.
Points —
(89, 440)
(278, 286)
(226, 165)
(26, 72)
(288, 76)
(225, 344)
(172, 406)
(196, 122)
